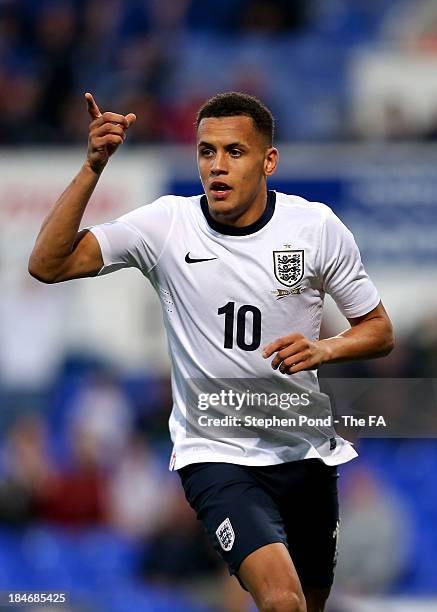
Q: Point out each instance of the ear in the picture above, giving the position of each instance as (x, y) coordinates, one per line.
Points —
(271, 161)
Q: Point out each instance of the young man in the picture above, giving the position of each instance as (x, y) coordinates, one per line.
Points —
(241, 273)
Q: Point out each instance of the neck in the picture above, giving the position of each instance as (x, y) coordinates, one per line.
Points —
(241, 230)
(247, 216)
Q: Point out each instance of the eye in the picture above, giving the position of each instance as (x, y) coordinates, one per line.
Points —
(206, 152)
(235, 153)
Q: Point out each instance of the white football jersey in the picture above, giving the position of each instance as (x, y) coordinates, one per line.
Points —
(227, 292)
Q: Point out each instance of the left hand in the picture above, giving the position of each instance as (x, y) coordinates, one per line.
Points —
(295, 353)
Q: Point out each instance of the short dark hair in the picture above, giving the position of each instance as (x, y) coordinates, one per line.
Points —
(234, 103)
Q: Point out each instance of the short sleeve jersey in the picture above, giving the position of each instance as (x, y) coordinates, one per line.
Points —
(226, 292)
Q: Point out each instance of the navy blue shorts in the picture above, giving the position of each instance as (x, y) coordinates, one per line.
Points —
(243, 508)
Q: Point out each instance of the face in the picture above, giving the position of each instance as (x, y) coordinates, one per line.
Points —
(234, 160)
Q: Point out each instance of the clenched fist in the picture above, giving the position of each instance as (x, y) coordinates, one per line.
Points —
(107, 131)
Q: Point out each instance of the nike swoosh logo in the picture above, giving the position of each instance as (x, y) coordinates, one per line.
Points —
(189, 260)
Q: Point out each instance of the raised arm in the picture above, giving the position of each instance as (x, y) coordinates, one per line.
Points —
(61, 252)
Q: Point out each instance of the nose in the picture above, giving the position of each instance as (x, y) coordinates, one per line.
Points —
(218, 164)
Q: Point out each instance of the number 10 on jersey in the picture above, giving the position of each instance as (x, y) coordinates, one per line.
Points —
(244, 314)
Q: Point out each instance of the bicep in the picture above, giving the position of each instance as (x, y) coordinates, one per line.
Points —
(136, 239)
(85, 260)
(379, 312)
(377, 330)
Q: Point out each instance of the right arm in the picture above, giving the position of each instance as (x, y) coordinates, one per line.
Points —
(61, 252)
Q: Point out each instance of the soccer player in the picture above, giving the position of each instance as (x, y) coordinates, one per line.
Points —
(241, 273)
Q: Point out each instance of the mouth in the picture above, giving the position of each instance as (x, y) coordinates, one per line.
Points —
(220, 190)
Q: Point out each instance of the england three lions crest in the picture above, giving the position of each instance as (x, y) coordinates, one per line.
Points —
(288, 266)
(225, 534)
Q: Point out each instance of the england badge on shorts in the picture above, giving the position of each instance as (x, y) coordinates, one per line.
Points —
(225, 535)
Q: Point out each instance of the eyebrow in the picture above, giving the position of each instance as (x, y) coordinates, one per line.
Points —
(232, 145)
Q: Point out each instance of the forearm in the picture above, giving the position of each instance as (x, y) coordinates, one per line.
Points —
(59, 229)
(367, 340)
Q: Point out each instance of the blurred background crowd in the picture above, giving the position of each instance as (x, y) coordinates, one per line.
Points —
(161, 59)
(87, 503)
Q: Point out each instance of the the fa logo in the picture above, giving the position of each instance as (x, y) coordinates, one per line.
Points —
(225, 535)
(288, 266)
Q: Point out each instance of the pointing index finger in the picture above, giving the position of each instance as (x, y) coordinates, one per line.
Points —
(130, 118)
(92, 107)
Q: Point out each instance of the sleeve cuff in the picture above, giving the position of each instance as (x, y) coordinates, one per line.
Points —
(103, 244)
(363, 308)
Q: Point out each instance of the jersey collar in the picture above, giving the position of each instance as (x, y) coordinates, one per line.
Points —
(230, 230)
